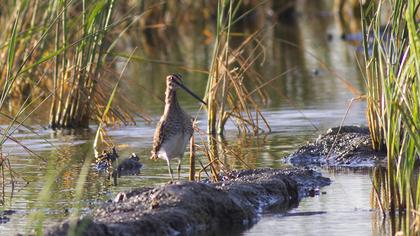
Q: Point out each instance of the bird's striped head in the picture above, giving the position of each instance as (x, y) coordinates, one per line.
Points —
(174, 81)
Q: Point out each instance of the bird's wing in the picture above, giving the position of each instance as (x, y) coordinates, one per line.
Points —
(158, 139)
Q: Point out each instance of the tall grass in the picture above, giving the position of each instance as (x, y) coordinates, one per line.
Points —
(54, 51)
(77, 71)
(15, 58)
(392, 55)
(230, 74)
(61, 49)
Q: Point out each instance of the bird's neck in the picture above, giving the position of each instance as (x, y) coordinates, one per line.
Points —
(171, 101)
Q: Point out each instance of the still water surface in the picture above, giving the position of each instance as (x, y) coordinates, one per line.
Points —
(342, 208)
(264, 151)
(318, 98)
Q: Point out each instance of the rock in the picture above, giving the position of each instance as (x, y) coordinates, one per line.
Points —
(348, 146)
(186, 208)
(130, 166)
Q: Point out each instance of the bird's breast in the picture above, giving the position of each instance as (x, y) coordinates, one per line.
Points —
(174, 146)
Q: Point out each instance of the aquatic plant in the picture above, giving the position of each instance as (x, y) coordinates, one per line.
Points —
(55, 51)
(230, 72)
(15, 57)
(392, 59)
(230, 78)
(77, 71)
(60, 51)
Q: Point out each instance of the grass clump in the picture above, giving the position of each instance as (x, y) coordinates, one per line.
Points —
(233, 86)
(77, 71)
(59, 50)
(392, 56)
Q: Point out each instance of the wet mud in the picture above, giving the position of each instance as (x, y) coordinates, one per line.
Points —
(348, 146)
(189, 208)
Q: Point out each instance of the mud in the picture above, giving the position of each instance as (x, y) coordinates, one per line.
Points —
(187, 208)
(349, 146)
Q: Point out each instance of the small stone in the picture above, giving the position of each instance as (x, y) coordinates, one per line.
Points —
(121, 196)
(154, 204)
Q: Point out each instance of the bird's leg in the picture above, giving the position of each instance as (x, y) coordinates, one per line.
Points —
(179, 168)
(170, 169)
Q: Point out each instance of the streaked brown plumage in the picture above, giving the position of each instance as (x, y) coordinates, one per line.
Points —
(175, 127)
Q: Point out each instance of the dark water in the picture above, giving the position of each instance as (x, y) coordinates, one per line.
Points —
(319, 98)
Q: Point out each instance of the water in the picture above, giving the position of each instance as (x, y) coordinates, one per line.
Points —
(342, 208)
(264, 151)
(303, 104)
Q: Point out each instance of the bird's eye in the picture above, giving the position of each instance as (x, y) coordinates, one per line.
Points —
(177, 78)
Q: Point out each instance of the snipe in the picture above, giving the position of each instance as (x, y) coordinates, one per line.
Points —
(175, 127)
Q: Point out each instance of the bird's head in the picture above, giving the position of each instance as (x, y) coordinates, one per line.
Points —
(174, 81)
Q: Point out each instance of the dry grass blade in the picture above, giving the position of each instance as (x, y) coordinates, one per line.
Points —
(100, 131)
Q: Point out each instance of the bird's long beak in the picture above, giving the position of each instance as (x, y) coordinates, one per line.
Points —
(191, 93)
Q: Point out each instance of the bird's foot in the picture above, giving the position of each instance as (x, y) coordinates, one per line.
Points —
(154, 157)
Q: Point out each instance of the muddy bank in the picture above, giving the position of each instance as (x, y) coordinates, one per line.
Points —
(349, 146)
(186, 208)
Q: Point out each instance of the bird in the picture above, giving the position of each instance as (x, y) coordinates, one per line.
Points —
(175, 127)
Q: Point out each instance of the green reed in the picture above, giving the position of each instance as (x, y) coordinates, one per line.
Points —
(392, 57)
(14, 58)
(53, 52)
(81, 65)
(59, 50)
